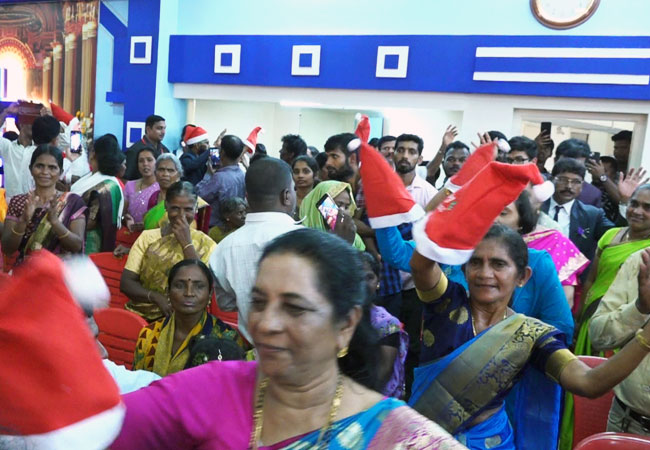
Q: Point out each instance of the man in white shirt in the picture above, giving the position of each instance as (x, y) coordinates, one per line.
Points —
(272, 200)
(407, 156)
(17, 155)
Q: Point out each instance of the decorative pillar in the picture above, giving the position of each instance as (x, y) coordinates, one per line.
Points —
(88, 52)
(70, 74)
(47, 78)
(57, 73)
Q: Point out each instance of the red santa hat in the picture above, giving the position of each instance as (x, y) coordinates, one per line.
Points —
(451, 232)
(363, 127)
(388, 203)
(194, 135)
(251, 140)
(55, 392)
(61, 114)
(481, 157)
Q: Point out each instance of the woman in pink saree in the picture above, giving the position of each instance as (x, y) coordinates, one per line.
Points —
(314, 384)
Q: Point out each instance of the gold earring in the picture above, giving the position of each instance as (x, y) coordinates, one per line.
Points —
(342, 353)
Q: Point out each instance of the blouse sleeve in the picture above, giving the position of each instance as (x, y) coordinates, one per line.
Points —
(16, 206)
(606, 239)
(551, 355)
(136, 254)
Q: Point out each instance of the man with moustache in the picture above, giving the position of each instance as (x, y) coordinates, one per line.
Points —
(342, 163)
(583, 224)
(407, 156)
(386, 146)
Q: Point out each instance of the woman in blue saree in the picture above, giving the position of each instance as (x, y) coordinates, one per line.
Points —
(475, 349)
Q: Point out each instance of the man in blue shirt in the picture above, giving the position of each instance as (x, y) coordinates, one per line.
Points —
(225, 181)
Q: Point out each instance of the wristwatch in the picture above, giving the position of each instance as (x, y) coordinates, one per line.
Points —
(603, 178)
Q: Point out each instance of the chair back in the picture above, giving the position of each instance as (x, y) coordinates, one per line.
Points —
(111, 268)
(614, 441)
(126, 237)
(590, 415)
(118, 332)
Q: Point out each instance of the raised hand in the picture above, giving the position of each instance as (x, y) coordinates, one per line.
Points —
(52, 213)
(217, 141)
(450, 135)
(483, 139)
(628, 183)
(33, 201)
(595, 168)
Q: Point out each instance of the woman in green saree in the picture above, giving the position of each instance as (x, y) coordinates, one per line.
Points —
(614, 248)
(103, 194)
(168, 171)
(482, 349)
(342, 195)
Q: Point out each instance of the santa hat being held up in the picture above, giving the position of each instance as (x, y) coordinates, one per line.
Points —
(55, 392)
(61, 114)
(194, 135)
(388, 203)
(251, 140)
(452, 231)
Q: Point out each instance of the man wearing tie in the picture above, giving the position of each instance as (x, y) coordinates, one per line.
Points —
(583, 224)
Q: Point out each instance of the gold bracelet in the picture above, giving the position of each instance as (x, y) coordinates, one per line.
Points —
(188, 245)
(13, 230)
(67, 232)
(641, 340)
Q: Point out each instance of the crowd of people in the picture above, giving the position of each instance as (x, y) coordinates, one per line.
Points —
(361, 323)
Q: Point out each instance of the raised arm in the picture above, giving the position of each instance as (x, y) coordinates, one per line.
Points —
(426, 273)
(394, 249)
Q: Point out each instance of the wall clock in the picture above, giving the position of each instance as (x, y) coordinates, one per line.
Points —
(563, 14)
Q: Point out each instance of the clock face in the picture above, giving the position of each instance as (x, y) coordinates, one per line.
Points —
(563, 13)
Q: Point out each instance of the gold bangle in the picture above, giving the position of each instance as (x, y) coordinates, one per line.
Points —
(188, 245)
(641, 340)
(13, 230)
(67, 232)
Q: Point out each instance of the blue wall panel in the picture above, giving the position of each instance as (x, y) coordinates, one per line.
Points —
(436, 63)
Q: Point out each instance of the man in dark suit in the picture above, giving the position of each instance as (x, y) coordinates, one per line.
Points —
(583, 224)
(580, 150)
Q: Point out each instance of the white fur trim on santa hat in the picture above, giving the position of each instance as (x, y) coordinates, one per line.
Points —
(354, 144)
(544, 191)
(392, 220)
(199, 138)
(435, 252)
(503, 145)
(96, 432)
(85, 282)
(451, 187)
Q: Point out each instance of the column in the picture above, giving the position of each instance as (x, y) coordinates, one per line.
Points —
(70, 73)
(57, 73)
(88, 53)
(47, 77)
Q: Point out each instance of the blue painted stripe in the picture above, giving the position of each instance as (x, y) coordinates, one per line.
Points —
(110, 21)
(564, 65)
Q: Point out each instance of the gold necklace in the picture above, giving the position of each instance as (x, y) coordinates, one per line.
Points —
(258, 416)
(505, 316)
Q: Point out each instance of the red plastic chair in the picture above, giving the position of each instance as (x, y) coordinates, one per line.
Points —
(126, 237)
(111, 269)
(590, 415)
(614, 441)
(229, 317)
(118, 332)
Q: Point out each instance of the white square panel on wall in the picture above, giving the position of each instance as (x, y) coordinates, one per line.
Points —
(392, 61)
(140, 50)
(227, 58)
(305, 60)
(134, 132)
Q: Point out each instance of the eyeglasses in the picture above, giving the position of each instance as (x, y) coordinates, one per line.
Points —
(569, 181)
(517, 160)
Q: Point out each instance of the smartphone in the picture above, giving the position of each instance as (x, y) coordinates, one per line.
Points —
(329, 210)
(545, 128)
(215, 159)
(595, 156)
(75, 142)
